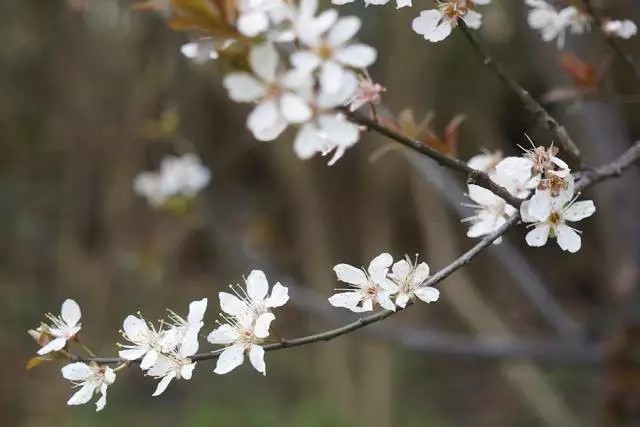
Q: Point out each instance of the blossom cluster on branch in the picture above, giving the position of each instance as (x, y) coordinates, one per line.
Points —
(300, 67)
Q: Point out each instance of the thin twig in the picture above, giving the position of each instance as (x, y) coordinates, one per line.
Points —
(542, 115)
(589, 178)
(474, 176)
(626, 59)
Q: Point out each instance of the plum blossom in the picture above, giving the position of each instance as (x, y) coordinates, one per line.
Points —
(183, 332)
(491, 212)
(329, 49)
(241, 334)
(174, 364)
(436, 24)
(543, 159)
(329, 131)
(277, 95)
(553, 24)
(550, 220)
(179, 176)
(408, 279)
(624, 29)
(92, 379)
(485, 161)
(254, 15)
(366, 287)
(514, 174)
(255, 300)
(62, 328)
(200, 51)
(145, 339)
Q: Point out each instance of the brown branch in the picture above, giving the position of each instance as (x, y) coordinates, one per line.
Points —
(589, 178)
(474, 176)
(543, 117)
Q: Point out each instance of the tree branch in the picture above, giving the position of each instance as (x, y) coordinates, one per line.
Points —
(474, 176)
(588, 178)
(543, 117)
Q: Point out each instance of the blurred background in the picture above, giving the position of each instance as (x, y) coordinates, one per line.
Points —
(91, 94)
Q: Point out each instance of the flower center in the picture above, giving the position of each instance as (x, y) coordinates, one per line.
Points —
(555, 218)
(325, 51)
(455, 9)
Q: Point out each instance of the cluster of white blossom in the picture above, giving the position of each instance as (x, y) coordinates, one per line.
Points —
(303, 66)
(553, 23)
(178, 177)
(164, 351)
(552, 205)
(377, 285)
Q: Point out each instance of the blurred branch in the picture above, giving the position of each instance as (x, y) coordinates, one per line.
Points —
(613, 44)
(475, 176)
(589, 176)
(542, 115)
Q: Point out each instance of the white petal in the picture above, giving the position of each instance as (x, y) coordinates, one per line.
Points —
(331, 76)
(223, 334)
(261, 328)
(294, 108)
(229, 359)
(307, 141)
(252, 23)
(339, 131)
(351, 301)
(257, 285)
(482, 196)
(264, 116)
(421, 273)
(77, 371)
(197, 310)
(379, 266)
(401, 269)
(349, 274)
(403, 3)
(473, 19)
(538, 236)
(56, 344)
(402, 300)
(431, 25)
(357, 56)
(187, 371)
(132, 353)
(256, 356)
(540, 206)
(279, 296)
(135, 328)
(580, 210)
(264, 61)
(102, 402)
(243, 87)
(305, 60)
(149, 360)
(384, 299)
(272, 132)
(344, 30)
(568, 239)
(70, 312)
(83, 395)
(164, 383)
(428, 294)
(231, 304)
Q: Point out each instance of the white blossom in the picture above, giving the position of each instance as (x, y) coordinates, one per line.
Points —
(174, 364)
(254, 15)
(91, 379)
(366, 287)
(485, 161)
(515, 174)
(255, 300)
(408, 280)
(182, 332)
(436, 24)
(182, 176)
(491, 212)
(329, 131)
(241, 334)
(553, 24)
(552, 222)
(277, 95)
(146, 343)
(329, 49)
(624, 29)
(62, 328)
